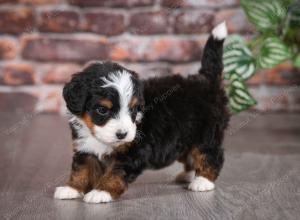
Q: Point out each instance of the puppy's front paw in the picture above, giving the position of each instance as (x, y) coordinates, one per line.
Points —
(185, 177)
(97, 196)
(66, 192)
(201, 184)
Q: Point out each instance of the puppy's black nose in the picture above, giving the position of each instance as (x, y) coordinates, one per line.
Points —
(121, 135)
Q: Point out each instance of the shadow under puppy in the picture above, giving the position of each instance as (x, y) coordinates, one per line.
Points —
(181, 119)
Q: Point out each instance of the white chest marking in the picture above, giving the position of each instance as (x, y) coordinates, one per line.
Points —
(87, 142)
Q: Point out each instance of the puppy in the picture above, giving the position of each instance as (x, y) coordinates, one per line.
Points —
(181, 119)
(105, 101)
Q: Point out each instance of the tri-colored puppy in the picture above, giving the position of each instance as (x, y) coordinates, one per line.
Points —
(177, 119)
(105, 101)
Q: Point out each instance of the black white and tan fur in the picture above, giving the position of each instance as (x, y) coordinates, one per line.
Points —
(122, 126)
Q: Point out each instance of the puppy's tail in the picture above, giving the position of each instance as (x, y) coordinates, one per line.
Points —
(212, 58)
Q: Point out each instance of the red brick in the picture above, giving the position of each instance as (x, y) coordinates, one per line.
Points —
(156, 49)
(32, 2)
(285, 98)
(8, 1)
(199, 3)
(17, 101)
(40, 2)
(16, 20)
(112, 3)
(58, 73)
(149, 22)
(64, 49)
(17, 74)
(50, 100)
(283, 74)
(58, 21)
(256, 79)
(148, 70)
(196, 21)
(236, 21)
(8, 49)
(106, 23)
(186, 69)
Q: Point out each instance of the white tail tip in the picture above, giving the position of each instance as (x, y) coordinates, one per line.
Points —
(220, 31)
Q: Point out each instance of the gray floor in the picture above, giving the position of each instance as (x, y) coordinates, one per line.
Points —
(260, 179)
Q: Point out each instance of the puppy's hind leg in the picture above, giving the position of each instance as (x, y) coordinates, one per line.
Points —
(207, 164)
(188, 174)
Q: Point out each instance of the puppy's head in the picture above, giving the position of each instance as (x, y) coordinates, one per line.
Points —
(108, 98)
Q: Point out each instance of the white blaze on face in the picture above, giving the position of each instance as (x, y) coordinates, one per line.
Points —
(121, 81)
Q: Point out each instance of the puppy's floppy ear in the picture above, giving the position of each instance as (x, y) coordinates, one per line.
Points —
(75, 94)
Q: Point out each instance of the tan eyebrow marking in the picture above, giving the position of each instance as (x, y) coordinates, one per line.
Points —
(88, 121)
(106, 103)
(133, 102)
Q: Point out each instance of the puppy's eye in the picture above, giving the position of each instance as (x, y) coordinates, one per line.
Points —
(102, 111)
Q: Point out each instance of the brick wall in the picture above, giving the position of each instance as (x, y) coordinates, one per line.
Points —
(43, 42)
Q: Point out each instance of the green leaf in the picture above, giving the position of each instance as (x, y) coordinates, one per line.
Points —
(286, 3)
(239, 97)
(297, 61)
(291, 26)
(273, 52)
(294, 15)
(237, 58)
(264, 14)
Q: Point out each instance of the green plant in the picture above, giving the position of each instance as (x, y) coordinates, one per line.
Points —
(277, 41)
